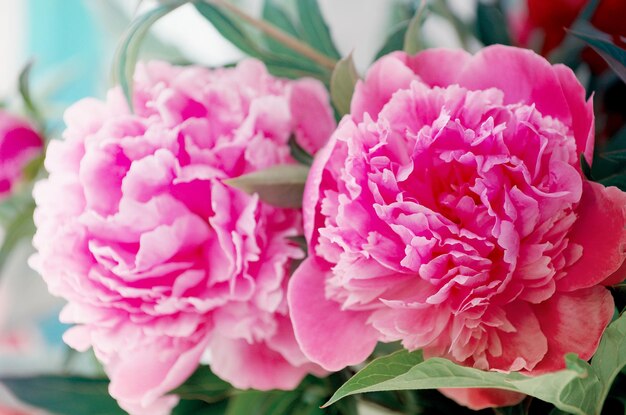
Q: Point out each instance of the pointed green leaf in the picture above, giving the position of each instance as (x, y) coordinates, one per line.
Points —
(125, 58)
(610, 358)
(314, 28)
(275, 15)
(24, 89)
(298, 153)
(288, 64)
(491, 25)
(281, 185)
(574, 389)
(65, 395)
(603, 45)
(395, 40)
(229, 28)
(342, 83)
(413, 39)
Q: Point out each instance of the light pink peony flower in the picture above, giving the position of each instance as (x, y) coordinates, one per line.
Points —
(449, 212)
(19, 144)
(161, 262)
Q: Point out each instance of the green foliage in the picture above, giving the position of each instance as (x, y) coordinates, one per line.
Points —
(204, 386)
(604, 46)
(20, 227)
(314, 28)
(25, 92)
(491, 24)
(125, 58)
(413, 40)
(572, 389)
(279, 59)
(395, 40)
(579, 389)
(342, 83)
(281, 185)
(65, 395)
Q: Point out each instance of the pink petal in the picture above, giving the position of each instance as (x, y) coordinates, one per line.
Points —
(478, 399)
(254, 366)
(524, 347)
(573, 323)
(582, 112)
(314, 120)
(389, 74)
(139, 378)
(600, 230)
(536, 82)
(329, 336)
(439, 67)
(314, 180)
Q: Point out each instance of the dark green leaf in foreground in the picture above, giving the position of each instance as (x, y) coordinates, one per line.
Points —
(65, 395)
(603, 45)
(491, 25)
(314, 28)
(342, 83)
(281, 185)
(574, 389)
(205, 386)
(610, 358)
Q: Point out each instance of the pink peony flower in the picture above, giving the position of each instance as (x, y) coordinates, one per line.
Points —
(162, 263)
(448, 211)
(19, 144)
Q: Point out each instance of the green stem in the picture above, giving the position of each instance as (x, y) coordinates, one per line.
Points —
(277, 34)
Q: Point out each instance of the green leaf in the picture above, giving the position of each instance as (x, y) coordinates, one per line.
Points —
(21, 227)
(229, 28)
(610, 357)
(186, 407)
(342, 83)
(65, 395)
(584, 166)
(24, 90)
(413, 40)
(491, 25)
(395, 40)
(314, 29)
(266, 403)
(603, 45)
(298, 153)
(275, 15)
(125, 58)
(281, 185)
(205, 386)
(574, 389)
(288, 64)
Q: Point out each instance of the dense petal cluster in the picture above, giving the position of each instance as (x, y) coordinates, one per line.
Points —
(19, 145)
(163, 264)
(449, 211)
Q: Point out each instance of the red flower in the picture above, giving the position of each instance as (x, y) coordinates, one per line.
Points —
(554, 16)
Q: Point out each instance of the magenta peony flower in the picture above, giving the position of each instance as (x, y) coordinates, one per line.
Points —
(449, 212)
(19, 144)
(162, 263)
